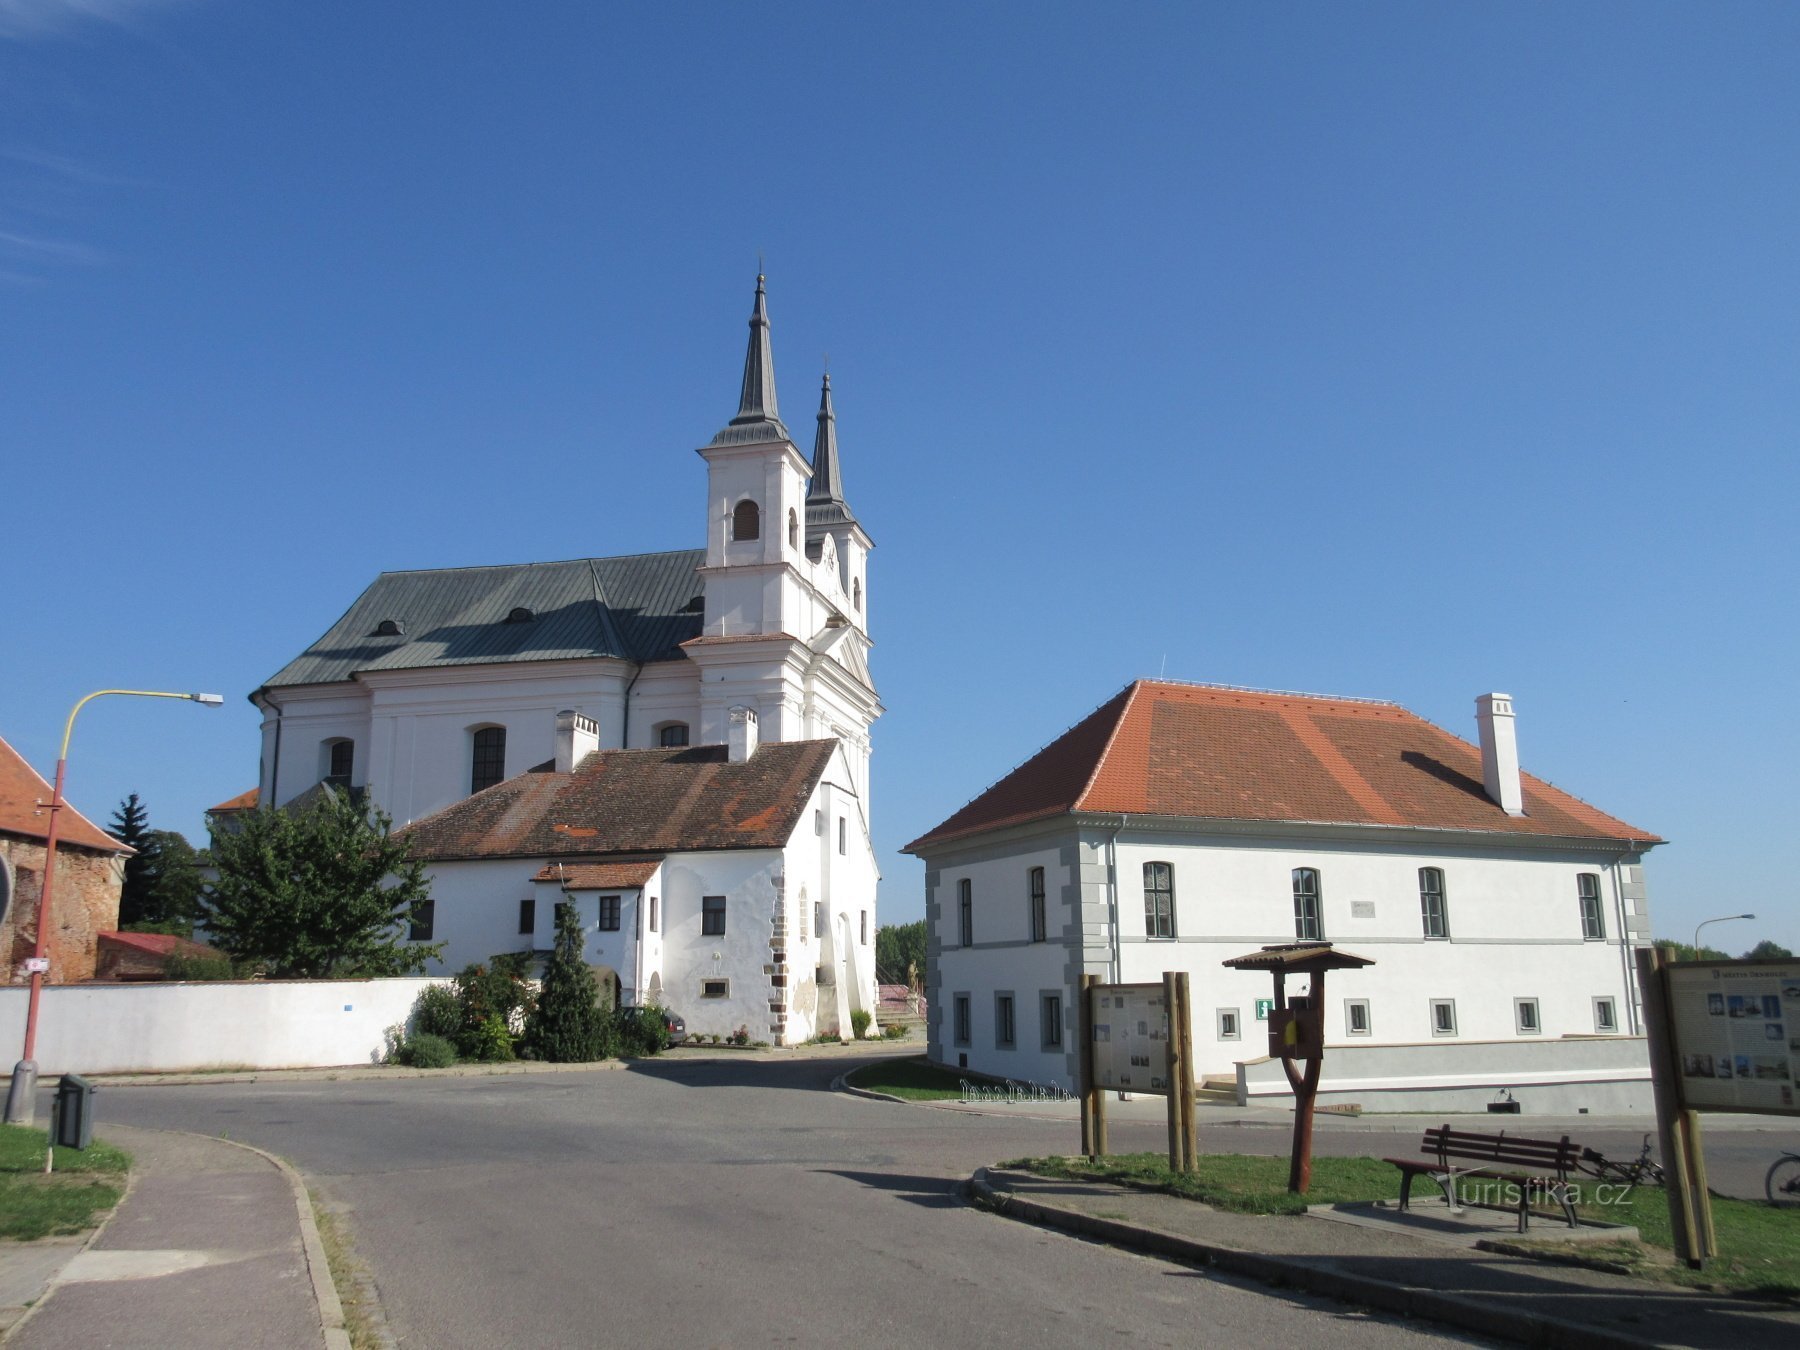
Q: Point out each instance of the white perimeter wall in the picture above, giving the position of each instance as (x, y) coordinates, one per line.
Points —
(262, 1024)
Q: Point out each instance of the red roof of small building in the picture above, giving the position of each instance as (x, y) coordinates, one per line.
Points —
(244, 801)
(1164, 749)
(158, 944)
(606, 876)
(22, 791)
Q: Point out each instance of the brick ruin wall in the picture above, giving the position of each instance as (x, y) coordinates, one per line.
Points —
(85, 903)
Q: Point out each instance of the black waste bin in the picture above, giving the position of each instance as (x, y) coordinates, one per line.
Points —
(72, 1113)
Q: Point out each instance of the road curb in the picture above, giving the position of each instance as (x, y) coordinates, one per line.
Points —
(352, 1073)
(55, 1281)
(1285, 1272)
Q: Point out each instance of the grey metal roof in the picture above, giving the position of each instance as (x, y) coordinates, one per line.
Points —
(758, 418)
(825, 504)
(638, 608)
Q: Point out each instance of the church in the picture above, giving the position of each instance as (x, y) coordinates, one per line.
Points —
(676, 743)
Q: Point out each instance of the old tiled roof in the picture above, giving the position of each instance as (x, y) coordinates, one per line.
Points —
(157, 944)
(638, 608)
(633, 801)
(244, 801)
(1165, 749)
(20, 792)
(606, 876)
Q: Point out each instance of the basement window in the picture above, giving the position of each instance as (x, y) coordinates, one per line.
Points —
(715, 989)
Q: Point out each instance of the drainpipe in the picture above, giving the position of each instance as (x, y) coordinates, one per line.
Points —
(1112, 896)
(275, 766)
(1625, 962)
(625, 725)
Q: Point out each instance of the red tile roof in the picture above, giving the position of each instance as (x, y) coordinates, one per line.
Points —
(1165, 749)
(606, 876)
(633, 801)
(244, 801)
(21, 791)
(158, 944)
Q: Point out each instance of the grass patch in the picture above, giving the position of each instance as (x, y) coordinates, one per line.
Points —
(71, 1199)
(1759, 1245)
(914, 1079)
(355, 1289)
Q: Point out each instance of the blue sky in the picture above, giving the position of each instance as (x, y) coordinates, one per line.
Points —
(1404, 351)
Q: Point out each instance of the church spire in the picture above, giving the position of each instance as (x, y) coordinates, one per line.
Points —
(758, 419)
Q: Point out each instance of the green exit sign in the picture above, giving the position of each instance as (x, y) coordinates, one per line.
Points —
(1264, 1006)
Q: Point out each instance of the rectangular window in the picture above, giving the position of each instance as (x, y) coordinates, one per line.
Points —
(1050, 1013)
(1003, 1021)
(1229, 1026)
(843, 835)
(1308, 926)
(528, 916)
(609, 914)
(819, 919)
(424, 919)
(1606, 1018)
(1525, 1017)
(1593, 919)
(712, 916)
(1159, 900)
(487, 764)
(715, 989)
(1432, 912)
(865, 927)
(1356, 1017)
(1443, 1017)
(965, 912)
(653, 907)
(1034, 887)
(961, 1028)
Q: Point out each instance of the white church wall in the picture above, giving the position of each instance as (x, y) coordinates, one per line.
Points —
(747, 880)
(475, 910)
(309, 718)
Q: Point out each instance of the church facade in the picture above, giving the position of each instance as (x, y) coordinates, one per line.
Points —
(441, 692)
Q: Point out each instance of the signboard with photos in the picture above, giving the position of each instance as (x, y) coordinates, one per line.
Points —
(1737, 1034)
(1131, 1038)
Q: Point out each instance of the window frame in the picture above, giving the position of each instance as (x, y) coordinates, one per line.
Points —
(1609, 1025)
(1006, 1020)
(1050, 1019)
(712, 907)
(1593, 910)
(1228, 1023)
(609, 914)
(1427, 894)
(1523, 1025)
(1159, 902)
(843, 836)
(654, 904)
(1036, 917)
(1438, 1030)
(1351, 1007)
(672, 735)
(421, 921)
(1305, 899)
(962, 1020)
(487, 754)
(335, 776)
(528, 916)
(746, 521)
(965, 912)
(723, 983)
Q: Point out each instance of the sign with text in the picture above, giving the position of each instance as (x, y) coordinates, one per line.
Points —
(1737, 1034)
(1131, 1038)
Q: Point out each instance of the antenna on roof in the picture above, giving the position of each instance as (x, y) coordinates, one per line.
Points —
(1165, 667)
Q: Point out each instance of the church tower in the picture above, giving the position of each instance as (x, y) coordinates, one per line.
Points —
(785, 631)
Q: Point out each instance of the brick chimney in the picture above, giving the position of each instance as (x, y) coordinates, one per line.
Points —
(741, 738)
(577, 737)
(1500, 752)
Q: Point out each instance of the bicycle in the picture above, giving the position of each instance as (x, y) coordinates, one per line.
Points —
(1782, 1185)
(1641, 1168)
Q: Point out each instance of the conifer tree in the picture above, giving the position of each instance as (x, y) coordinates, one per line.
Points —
(131, 827)
(568, 1026)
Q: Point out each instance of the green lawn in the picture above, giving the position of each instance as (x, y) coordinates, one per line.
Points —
(1759, 1245)
(74, 1197)
(913, 1079)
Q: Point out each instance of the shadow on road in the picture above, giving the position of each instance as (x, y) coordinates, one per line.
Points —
(928, 1192)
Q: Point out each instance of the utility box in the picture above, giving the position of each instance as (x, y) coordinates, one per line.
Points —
(72, 1113)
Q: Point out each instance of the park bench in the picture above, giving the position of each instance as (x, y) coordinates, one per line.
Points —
(1451, 1155)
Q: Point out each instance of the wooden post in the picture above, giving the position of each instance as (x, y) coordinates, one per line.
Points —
(1672, 1135)
(1306, 1089)
(1190, 1142)
(1084, 1032)
(1172, 1074)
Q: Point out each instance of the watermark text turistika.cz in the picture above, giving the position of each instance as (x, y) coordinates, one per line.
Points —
(1010, 1093)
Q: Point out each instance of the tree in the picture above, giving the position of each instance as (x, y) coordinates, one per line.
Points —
(161, 890)
(568, 1026)
(131, 827)
(321, 892)
(1768, 950)
(1686, 951)
(900, 953)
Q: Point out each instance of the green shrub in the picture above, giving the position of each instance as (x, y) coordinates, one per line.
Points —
(894, 1031)
(567, 1024)
(422, 1050)
(859, 1023)
(490, 1042)
(438, 1012)
(180, 966)
(641, 1031)
(487, 995)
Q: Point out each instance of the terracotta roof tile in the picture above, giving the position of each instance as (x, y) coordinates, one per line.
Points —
(633, 801)
(606, 876)
(21, 791)
(244, 801)
(157, 944)
(1232, 754)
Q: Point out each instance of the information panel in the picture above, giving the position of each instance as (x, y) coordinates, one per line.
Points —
(1737, 1034)
(1131, 1038)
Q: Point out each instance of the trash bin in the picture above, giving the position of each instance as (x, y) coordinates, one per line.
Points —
(72, 1113)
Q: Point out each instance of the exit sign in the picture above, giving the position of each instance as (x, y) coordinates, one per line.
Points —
(1264, 1006)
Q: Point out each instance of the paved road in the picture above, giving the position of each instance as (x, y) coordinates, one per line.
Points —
(712, 1203)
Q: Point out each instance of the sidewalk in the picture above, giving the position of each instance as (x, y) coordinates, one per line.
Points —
(1423, 1264)
(213, 1246)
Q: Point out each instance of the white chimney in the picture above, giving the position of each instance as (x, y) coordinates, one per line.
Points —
(577, 737)
(1500, 752)
(742, 735)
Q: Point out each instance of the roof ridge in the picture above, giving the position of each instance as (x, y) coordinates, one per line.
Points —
(537, 562)
(607, 626)
(1275, 693)
(1131, 691)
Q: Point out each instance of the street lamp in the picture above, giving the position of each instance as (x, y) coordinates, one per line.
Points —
(1723, 918)
(21, 1096)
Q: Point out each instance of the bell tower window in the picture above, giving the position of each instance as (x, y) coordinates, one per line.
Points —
(746, 521)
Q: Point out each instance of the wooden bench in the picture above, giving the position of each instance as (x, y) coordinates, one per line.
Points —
(1451, 1155)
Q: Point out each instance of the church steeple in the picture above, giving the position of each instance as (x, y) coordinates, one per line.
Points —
(825, 503)
(758, 418)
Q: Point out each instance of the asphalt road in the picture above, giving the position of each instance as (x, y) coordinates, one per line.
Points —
(717, 1203)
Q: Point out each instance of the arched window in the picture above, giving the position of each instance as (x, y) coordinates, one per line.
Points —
(487, 763)
(856, 593)
(339, 756)
(793, 528)
(746, 521)
(671, 734)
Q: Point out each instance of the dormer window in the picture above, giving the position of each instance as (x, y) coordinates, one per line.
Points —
(520, 614)
(389, 628)
(672, 735)
(746, 521)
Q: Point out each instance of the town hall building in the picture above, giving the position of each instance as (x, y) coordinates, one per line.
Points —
(678, 743)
